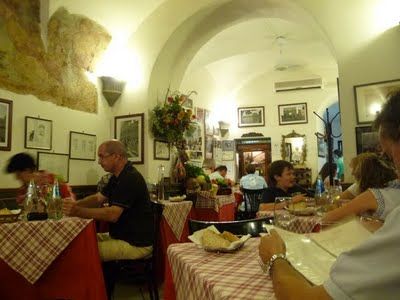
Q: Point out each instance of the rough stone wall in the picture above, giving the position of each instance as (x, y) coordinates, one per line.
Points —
(74, 45)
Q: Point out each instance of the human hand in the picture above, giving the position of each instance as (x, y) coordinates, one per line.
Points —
(299, 198)
(69, 206)
(271, 244)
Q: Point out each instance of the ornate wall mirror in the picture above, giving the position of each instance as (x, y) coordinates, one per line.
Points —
(294, 148)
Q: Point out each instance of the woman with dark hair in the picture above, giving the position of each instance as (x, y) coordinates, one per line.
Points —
(24, 167)
(324, 173)
(282, 184)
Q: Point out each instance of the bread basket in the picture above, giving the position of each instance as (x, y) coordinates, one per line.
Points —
(10, 218)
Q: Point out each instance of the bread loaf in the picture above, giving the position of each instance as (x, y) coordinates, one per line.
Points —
(212, 240)
(229, 236)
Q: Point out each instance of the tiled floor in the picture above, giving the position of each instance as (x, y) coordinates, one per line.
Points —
(132, 291)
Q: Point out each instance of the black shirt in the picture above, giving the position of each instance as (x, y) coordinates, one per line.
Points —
(271, 192)
(129, 191)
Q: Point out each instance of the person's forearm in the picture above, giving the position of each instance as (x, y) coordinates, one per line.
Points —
(362, 203)
(89, 201)
(270, 206)
(290, 284)
(101, 214)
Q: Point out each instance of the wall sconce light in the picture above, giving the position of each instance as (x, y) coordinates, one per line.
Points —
(112, 88)
(223, 128)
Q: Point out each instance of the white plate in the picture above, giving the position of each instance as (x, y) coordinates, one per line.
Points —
(177, 198)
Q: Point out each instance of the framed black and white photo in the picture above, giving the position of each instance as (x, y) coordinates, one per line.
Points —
(321, 145)
(208, 125)
(367, 140)
(208, 147)
(228, 150)
(56, 163)
(129, 129)
(188, 103)
(38, 133)
(82, 146)
(251, 116)
(292, 113)
(161, 150)
(6, 107)
(370, 97)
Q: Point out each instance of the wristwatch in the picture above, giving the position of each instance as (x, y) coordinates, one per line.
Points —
(267, 268)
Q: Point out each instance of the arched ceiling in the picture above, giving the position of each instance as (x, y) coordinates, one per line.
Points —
(237, 41)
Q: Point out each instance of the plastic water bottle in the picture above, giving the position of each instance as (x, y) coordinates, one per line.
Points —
(319, 189)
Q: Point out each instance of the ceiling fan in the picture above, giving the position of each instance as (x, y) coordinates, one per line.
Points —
(282, 63)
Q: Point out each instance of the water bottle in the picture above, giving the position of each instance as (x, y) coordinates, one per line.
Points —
(160, 190)
(54, 206)
(319, 189)
(35, 206)
(29, 199)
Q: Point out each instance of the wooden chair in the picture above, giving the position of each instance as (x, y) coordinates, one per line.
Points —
(243, 227)
(251, 199)
(144, 268)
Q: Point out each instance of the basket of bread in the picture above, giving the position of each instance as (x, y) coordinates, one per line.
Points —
(301, 209)
(9, 216)
(210, 239)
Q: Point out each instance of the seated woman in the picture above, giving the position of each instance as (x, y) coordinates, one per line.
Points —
(383, 173)
(283, 184)
(374, 185)
(324, 173)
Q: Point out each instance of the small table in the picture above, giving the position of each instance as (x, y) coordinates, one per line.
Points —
(298, 224)
(75, 272)
(198, 274)
(214, 208)
(174, 228)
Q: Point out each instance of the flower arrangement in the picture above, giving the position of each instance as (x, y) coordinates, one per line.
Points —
(171, 121)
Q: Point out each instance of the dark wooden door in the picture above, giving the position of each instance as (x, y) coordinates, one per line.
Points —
(256, 152)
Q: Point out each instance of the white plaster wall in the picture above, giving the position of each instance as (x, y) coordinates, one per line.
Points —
(64, 121)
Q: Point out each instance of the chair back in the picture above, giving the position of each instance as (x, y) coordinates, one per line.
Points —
(252, 200)
(243, 227)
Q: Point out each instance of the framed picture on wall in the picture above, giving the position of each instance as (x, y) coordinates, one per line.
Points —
(56, 163)
(251, 116)
(38, 133)
(367, 140)
(161, 150)
(370, 97)
(321, 145)
(129, 129)
(293, 114)
(6, 107)
(82, 146)
(208, 125)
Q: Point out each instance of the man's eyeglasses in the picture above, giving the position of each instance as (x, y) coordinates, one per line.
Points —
(102, 157)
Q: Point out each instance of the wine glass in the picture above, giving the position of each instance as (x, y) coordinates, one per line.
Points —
(282, 216)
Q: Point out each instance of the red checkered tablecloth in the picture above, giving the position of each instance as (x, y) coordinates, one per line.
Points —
(298, 224)
(175, 213)
(198, 274)
(30, 247)
(206, 200)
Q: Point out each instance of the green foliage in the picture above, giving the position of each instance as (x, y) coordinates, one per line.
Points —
(194, 171)
(171, 121)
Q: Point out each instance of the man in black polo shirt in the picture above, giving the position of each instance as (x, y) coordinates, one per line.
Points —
(129, 210)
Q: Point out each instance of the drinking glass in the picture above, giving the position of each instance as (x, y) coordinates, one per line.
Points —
(282, 216)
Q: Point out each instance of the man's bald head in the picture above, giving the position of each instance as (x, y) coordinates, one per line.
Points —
(115, 147)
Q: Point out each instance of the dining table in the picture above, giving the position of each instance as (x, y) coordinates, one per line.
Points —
(198, 274)
(210, 207)
(174, 228)
(51, 259)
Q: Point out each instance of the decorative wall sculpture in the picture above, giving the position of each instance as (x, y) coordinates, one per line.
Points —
(55, 74)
